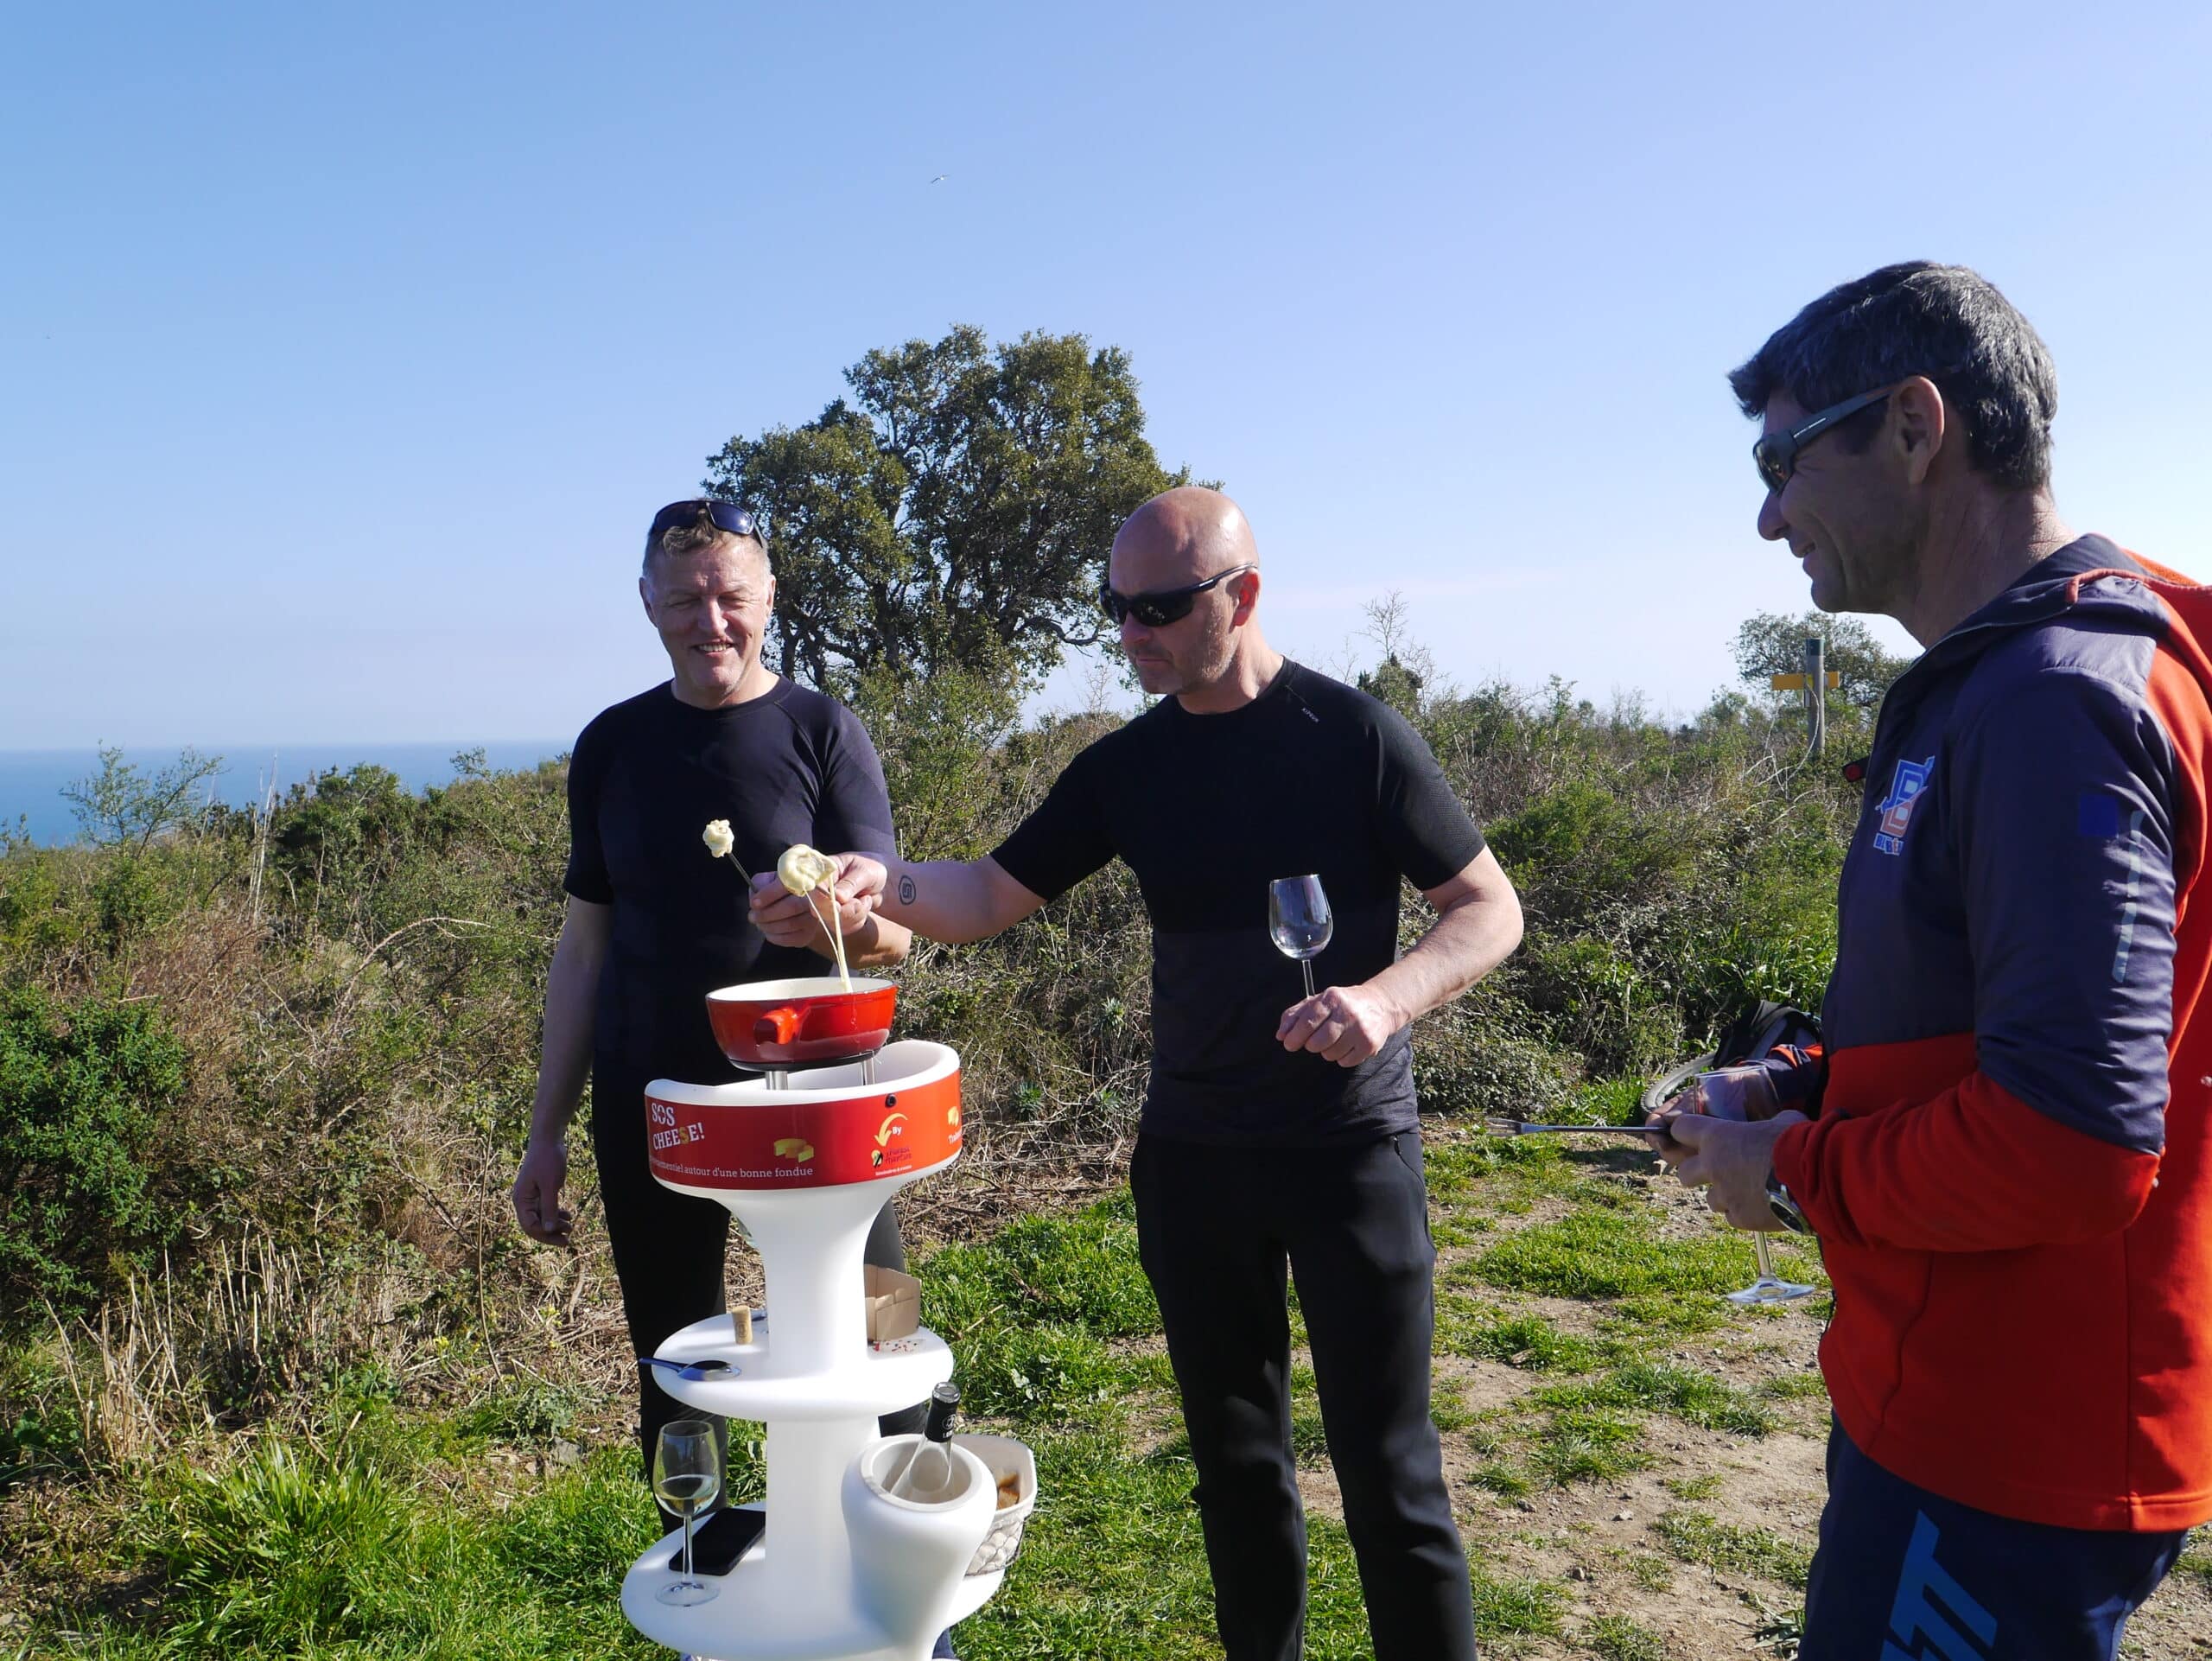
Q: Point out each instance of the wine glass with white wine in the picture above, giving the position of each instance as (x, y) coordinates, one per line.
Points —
(1298, 920)
(687, 1479)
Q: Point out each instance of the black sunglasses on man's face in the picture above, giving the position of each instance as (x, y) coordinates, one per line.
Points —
(1775, 455)
(1165, 606)
(735, 520)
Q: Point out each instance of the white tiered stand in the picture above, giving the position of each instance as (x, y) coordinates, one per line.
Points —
(810, 1376)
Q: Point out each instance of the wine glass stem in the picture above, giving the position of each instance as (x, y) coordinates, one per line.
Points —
(1306, 965)
(689, 1512)
(1766, 1258)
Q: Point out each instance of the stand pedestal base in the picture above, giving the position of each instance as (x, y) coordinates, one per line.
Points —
(754, 1616)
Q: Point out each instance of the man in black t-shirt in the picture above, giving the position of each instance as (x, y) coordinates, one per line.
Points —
(1277, 1130)
(655, 922)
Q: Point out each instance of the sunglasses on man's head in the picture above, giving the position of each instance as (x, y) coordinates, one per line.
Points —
(1775, 455)
(735, 520)
(1164, 605)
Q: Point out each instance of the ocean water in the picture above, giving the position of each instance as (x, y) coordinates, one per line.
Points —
(31, 781)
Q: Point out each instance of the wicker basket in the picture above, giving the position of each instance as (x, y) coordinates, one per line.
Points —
(1005, 1457)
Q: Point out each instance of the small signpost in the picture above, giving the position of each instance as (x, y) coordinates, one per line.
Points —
(1812, 683)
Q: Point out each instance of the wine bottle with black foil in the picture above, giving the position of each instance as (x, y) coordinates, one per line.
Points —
(926, 1478)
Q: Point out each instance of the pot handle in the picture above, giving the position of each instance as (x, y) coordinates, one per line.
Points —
(777, 1026)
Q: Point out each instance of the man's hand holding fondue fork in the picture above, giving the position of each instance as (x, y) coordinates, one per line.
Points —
(787, 919)
(942, 900)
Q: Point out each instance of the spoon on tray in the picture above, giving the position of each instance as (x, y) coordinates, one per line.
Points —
(694, 1373)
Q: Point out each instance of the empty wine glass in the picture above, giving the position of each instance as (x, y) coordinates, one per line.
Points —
(1769, 1288)
(1744, 1093)
(1298, 920)
(687, 1477)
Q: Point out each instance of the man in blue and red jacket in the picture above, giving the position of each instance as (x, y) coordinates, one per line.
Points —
(2004, 1152)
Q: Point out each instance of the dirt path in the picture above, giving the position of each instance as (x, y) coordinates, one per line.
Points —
(1693, 1555)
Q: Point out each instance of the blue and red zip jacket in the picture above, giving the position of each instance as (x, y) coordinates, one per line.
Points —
(2007, 1172)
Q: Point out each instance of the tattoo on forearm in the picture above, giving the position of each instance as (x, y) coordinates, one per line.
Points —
(906, 889)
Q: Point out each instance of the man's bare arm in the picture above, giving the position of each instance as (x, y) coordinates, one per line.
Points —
(571, 989)
(941, 900)
(1478, 925)
(878, 942)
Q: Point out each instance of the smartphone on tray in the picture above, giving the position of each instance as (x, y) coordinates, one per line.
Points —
(722, 1539)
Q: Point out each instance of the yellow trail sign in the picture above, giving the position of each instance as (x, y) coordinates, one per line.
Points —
(1797, 683)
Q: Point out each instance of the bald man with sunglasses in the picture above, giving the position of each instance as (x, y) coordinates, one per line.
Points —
(1278, 1132)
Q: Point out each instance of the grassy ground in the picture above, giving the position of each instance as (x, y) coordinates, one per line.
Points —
(1636, 1463)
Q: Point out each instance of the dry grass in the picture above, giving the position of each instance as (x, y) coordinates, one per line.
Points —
(263, 1331)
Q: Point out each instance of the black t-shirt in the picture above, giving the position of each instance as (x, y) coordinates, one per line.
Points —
(647, 776)
(1310, 777)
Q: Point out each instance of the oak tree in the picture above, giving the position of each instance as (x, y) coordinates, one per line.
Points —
(952, 513)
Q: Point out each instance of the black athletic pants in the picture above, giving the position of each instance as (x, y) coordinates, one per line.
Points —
(668, 1251)
(1215, 1226)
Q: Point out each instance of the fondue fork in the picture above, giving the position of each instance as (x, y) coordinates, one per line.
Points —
(1504, 1127)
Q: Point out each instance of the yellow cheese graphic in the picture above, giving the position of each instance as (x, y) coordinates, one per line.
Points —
(796, 1147)
(953, 1117)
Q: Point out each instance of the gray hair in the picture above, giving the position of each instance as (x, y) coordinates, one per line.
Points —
(1946, 322)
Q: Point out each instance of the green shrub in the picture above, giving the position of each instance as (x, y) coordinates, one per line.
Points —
(40, 1430)
(83, 1085)
(1587, 846)
(1603, 1004)
(1491, 1053)
(1667, 877)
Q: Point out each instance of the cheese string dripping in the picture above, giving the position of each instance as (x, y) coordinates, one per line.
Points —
(836, 929)
(804, 873)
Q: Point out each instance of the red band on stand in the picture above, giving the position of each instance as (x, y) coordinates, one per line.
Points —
(804, 1144)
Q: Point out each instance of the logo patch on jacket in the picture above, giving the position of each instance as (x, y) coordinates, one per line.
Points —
(1897, 807)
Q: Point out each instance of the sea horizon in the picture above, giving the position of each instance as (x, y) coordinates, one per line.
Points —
(31, 781)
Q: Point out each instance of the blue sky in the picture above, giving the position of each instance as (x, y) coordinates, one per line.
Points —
(345, 351)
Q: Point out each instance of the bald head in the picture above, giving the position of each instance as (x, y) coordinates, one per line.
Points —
(1203, 646)
(1180, 536)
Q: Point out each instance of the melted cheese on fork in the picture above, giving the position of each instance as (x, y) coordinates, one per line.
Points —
(802, 869)
(805, 871)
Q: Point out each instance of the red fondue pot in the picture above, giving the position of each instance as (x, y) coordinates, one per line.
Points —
(773, 1025)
